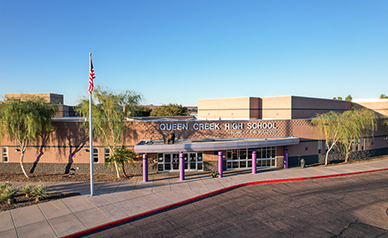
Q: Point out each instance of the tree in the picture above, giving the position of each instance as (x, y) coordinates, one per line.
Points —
(24, 119)
(357, 123)
(141, 111)
(328, 125)
(109, 111)
(121, 156)
(349, 98)
(383, 96)
(170, 110)
(337, 98)
(344, 128)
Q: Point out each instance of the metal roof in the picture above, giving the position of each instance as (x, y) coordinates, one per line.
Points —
(146, 146)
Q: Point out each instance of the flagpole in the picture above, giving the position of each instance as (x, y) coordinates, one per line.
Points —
(90, 130)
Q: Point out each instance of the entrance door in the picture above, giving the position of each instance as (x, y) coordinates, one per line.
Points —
(266, 157)
(238, 159)
(192, 161)
(169, 162)
(175, 162)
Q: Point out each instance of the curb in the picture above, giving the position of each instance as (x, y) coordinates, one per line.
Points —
(193, 199)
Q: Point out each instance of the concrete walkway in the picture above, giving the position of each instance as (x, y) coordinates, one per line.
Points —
(118, 201)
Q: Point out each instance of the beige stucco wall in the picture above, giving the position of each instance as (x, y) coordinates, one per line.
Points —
(282, 107)
(244, 107)
(303, 107)
(276, 107)
(380, 106)
(48, 97)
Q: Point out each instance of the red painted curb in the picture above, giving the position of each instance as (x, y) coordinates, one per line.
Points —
(193, 199)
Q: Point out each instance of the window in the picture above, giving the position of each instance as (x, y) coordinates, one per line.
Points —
(170, 161)
(242, 158)
(106, 153)
(351, 147)
(333, 150)
(5, 154)
(357, 145)
(319, 147)
(95, 155)
(363, 144)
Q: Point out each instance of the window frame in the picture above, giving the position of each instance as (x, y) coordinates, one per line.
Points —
(5, 154)
(95, 155)
(319, 147)
(107, 154)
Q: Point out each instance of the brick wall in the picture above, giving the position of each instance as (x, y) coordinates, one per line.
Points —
(79, 168)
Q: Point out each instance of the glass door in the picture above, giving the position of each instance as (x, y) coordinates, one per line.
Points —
(266, 157)
(169, 162)
(175, 162)
(238, 159)
(192, 161)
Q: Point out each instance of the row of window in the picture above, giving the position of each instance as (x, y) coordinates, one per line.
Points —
(242, 158)
(170, 161)
(357, 145)
(95, 154)
(244, 154)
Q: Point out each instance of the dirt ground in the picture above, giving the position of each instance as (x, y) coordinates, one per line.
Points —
(21, 201)
(341, 162)
(19, 177)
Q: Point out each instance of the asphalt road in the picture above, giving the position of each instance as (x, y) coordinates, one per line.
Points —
(349, 206)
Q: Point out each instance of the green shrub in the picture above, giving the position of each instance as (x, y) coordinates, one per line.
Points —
(39, 191)
(214, 174)
(27, 189)
(4, 185)
(8, 194)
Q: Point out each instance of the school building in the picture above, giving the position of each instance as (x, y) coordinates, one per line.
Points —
(246, 132)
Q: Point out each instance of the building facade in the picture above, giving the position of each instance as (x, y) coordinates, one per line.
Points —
(277, 129)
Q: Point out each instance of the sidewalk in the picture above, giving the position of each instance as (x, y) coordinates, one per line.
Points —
(115, 202)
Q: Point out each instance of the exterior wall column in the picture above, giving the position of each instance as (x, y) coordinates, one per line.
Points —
(286, 157)
(220, 164)
(145, 168)
(181, 166)
(254, 156)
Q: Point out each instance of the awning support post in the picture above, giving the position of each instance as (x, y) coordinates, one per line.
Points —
(220, 170)
(254, 162)
(286, 157)
(181, 166)
(145, 168)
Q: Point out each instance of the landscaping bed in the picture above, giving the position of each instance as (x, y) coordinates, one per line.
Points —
(19, 177)
(21, 200)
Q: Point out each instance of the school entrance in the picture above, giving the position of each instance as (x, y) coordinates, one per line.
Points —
(242, 158)
(169, 162)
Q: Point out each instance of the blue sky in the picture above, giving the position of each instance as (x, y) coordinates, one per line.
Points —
(179, 51)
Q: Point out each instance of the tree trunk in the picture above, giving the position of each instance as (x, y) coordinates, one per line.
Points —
(117, 170)
(348, 150)
(122, 168)
(327, 155)
(328, 151)
(21, 164)
(347, 157)
(22, 149)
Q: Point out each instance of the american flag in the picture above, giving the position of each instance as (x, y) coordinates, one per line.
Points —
(91, 76)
